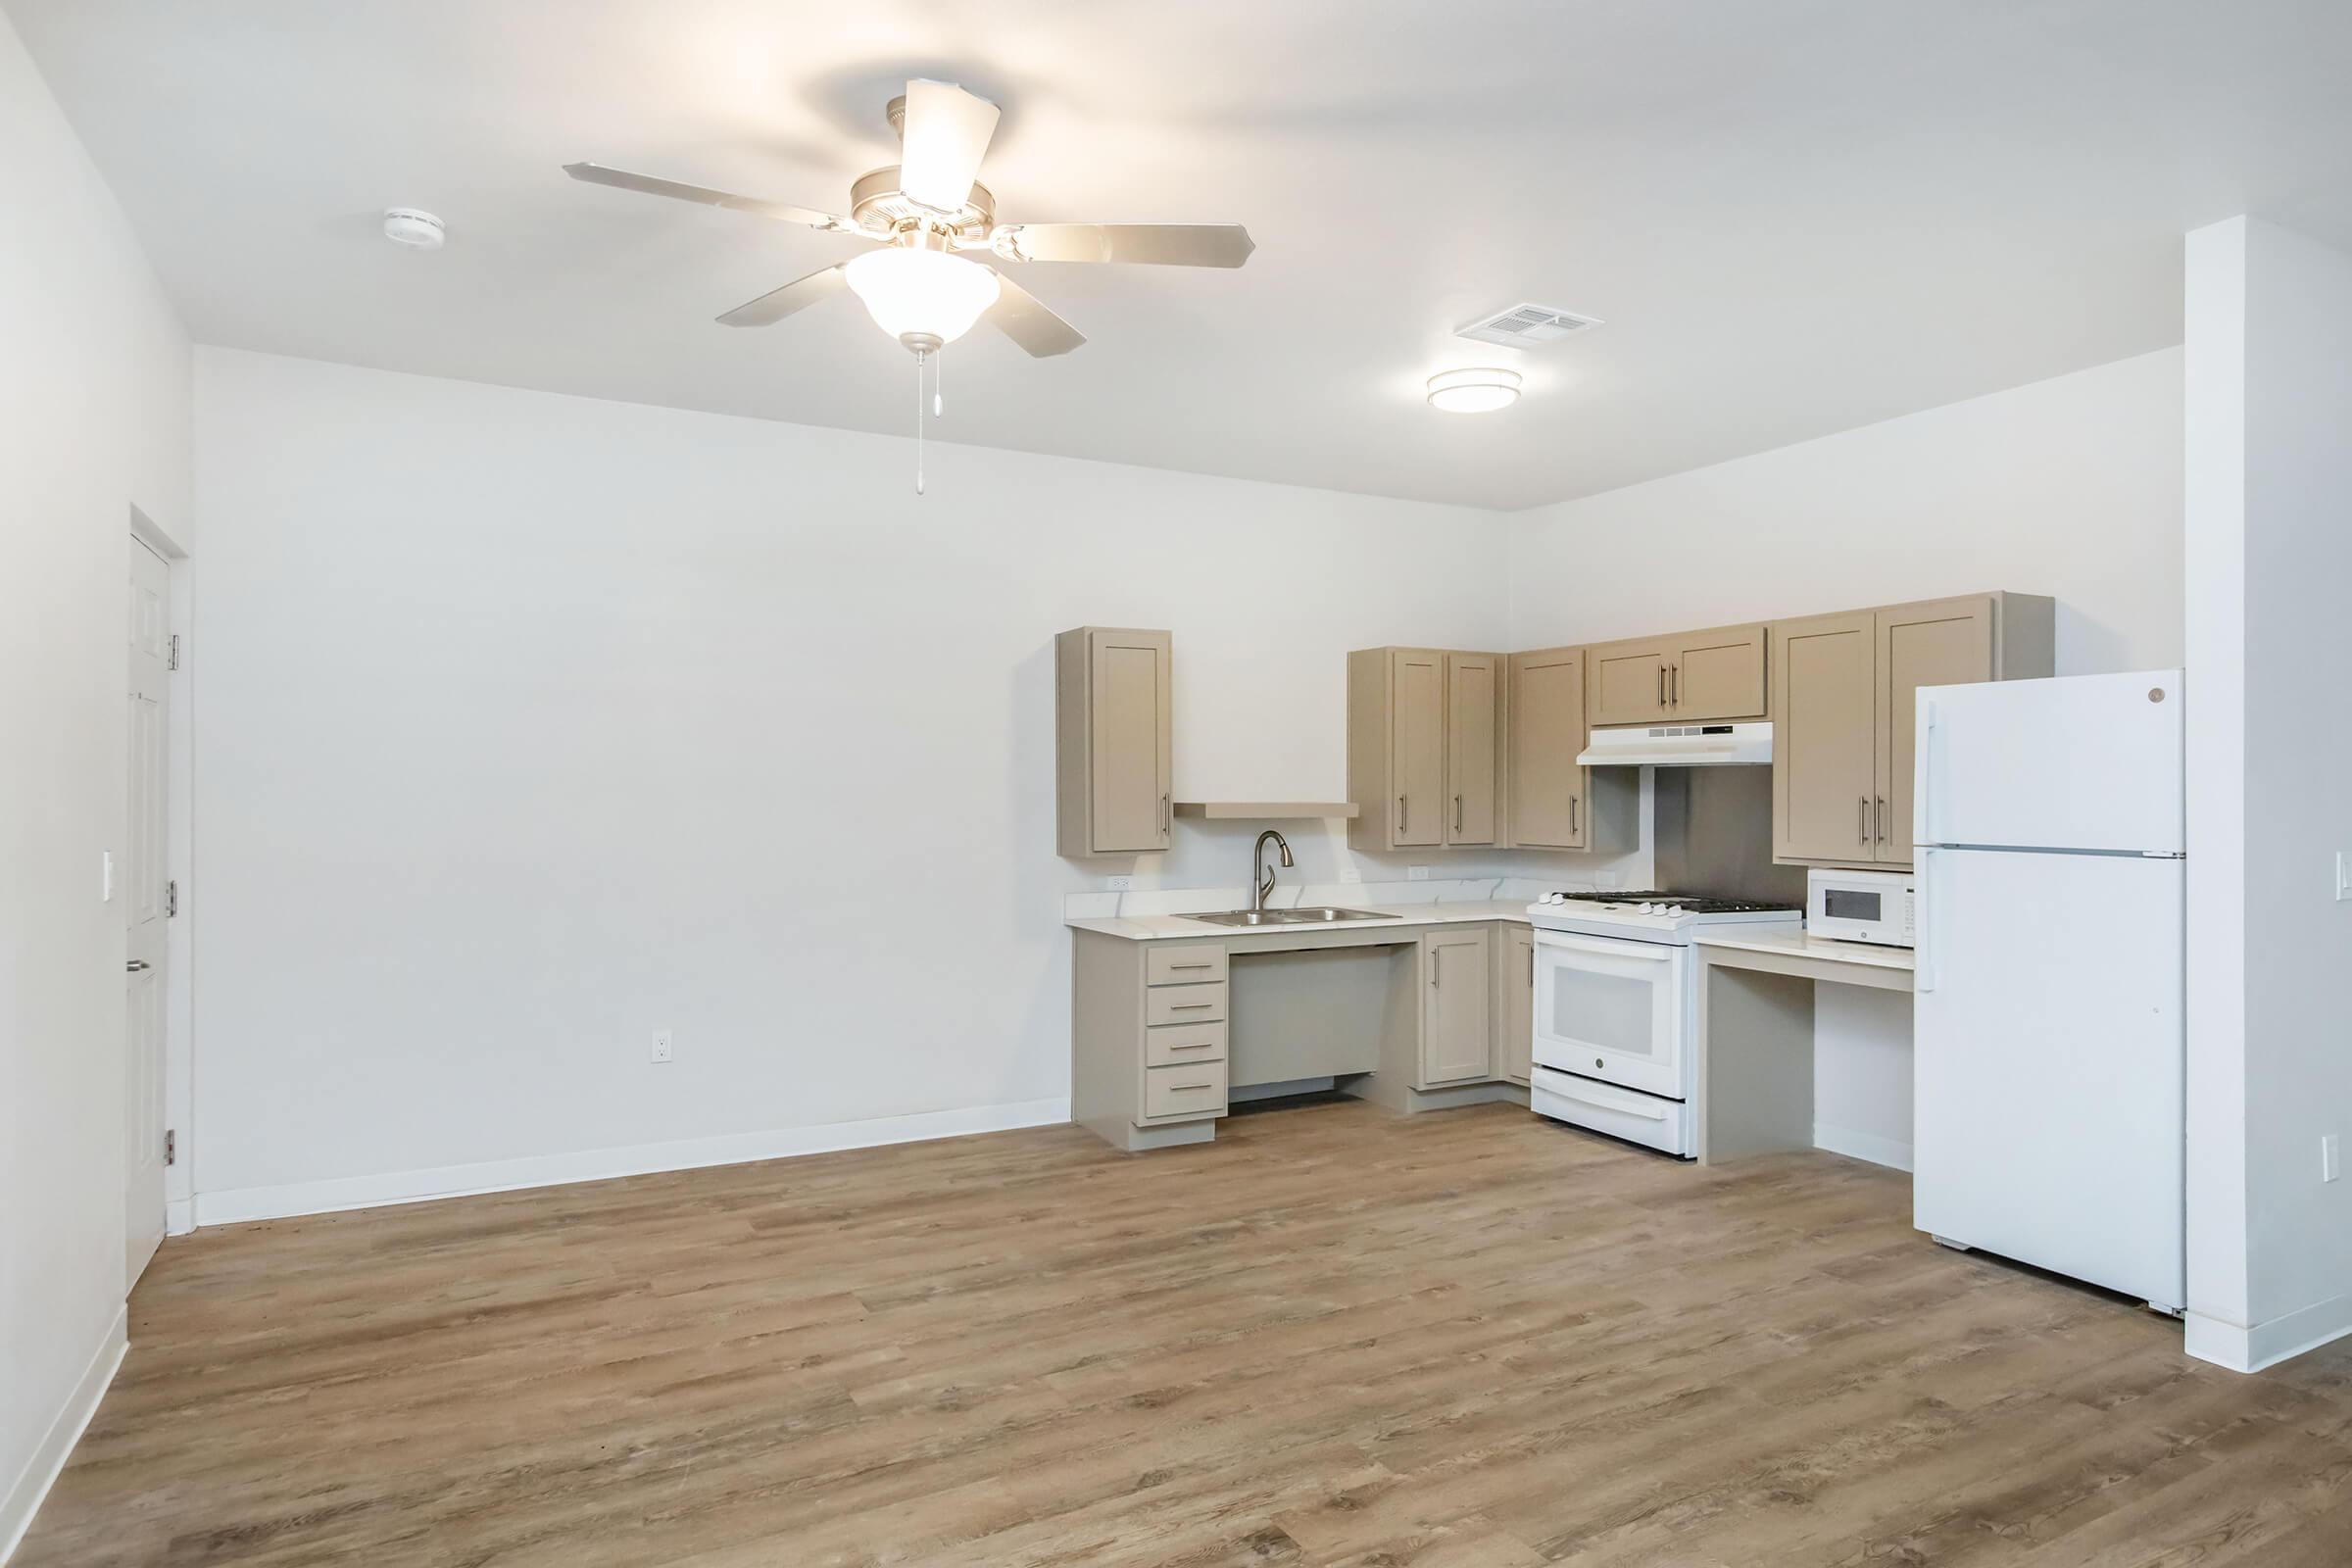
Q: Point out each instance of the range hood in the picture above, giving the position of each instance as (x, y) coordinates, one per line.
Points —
(1678, 746)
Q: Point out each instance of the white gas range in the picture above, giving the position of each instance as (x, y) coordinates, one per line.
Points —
(1616, 1008)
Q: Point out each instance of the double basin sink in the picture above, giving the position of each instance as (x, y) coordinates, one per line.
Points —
(1315, 916)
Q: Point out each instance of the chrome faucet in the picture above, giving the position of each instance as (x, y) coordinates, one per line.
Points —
(1261, 880)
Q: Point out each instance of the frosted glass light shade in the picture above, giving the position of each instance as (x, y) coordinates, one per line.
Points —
(1475, 391)
(922, 297)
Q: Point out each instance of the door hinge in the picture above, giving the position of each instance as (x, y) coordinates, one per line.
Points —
(171, 1147)
(171, 900)
(172, 659)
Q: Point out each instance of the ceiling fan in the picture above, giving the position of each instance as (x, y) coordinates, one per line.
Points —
(926, 212)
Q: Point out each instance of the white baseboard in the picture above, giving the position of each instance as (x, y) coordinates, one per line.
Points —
(2241, 1349)
(41, 1471)
(232, 1204)
(1862, 1146)
(179, 1216)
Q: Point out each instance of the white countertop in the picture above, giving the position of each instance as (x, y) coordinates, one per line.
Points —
(1159, 927)
(1797, 944)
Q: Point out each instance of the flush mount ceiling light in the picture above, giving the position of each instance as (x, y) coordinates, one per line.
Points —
(1474, 391)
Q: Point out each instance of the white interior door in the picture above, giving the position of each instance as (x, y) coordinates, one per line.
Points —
(140, 885)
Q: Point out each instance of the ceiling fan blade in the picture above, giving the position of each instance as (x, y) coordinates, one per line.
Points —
(942, 139)
(1169, 244)
(1023, 317)
(783, 211)
(797, 295)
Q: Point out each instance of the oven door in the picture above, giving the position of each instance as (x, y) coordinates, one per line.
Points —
(1611, 1009)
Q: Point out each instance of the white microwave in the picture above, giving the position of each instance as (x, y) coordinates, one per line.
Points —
(1863, 906)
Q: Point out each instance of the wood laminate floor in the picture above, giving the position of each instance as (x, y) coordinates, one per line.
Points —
(1468, 1339)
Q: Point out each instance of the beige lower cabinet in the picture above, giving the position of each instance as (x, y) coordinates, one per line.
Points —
(1458, 1019)
(1113, 754)
(1515, 1005)
(1844, 736)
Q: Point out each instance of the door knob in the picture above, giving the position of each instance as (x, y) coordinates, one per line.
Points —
(135, 966)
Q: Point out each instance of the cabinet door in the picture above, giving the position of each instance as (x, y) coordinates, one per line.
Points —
(1947, 642)
(1824, 745)
(1628, 682)
(1458, 1015)
(1515, 1049)
(1717, 675)
(1546, 789)
(1473, 688)
(1417, 747)
(1129, 749)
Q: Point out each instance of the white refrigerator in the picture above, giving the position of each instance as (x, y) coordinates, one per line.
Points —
(2049, 1111)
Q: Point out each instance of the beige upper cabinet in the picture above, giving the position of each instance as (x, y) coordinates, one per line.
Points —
(1717, 675)
(1425, 736)
(1112, 741)
(1688, 678)
(1845, 741)
(1473, 710)
(1458, 1019)
(1629, 681)
(1825, 771)
(1547, 731)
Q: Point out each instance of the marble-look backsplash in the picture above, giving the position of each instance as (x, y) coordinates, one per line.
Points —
(1342, 895)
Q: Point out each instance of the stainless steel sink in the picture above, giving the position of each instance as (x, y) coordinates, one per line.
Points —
(1314, 917)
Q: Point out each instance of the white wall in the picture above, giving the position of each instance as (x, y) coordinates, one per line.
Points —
(533, 724)
(94, 421)
(2070, 487)
(2270, 547)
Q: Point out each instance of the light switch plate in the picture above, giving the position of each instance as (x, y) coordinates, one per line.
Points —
(106, 877)
(2332, 1164)
(2343, 875)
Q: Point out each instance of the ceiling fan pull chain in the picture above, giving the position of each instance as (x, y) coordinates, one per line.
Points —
(939, 399)
(918, 424)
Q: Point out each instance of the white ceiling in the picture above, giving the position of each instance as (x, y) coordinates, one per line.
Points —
(1796, 217)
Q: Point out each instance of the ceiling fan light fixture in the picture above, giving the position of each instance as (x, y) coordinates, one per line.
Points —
(1480, 390)
(924, 298)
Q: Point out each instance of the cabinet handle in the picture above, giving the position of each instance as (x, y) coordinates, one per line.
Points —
(1661, 685)
(1164, 819)
(1433, 971)
(1401, 814)
(1202, 965)
(1188, 1007)
(1185, 1089)
(1881, 819)
(1198, 1044)
(1572, 813)
(1673, 687)
(1862, 816)
(1458, 813)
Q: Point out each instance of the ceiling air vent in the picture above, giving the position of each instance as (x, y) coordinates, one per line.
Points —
(1527, 326)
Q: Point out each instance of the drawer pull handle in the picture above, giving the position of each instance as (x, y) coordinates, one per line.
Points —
(1187, 1006)
(1192, 966)
(1185, 1089)
(1198, 1045)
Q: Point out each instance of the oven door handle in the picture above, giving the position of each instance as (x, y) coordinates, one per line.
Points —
(1650, 952)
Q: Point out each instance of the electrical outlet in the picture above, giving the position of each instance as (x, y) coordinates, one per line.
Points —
(2343, 875)
(1120, 883)
(2330, 1166)
(661, 1047)
(106, 876)
(1351, 874)
(1416, 873)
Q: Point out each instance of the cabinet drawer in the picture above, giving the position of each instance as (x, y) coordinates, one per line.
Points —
(1184, 1004)
(1183, 967)
(1180, 1045)
(1192, 1091)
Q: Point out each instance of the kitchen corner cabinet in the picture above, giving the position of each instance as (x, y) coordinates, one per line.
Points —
(1458, 1000)
(1515, 1003)
(1426, 740)
(1688, 678)
(1843, 744)
(1553, 803)
(1112, 741)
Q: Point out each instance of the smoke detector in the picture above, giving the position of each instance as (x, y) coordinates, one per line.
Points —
(1528, 326)
(418, 230)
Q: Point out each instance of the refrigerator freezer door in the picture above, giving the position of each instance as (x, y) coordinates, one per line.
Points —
(2050, 1061)
(2074, 763)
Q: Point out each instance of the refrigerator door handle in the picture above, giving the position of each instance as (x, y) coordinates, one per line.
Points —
(1922, 925)
(1923, 783)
